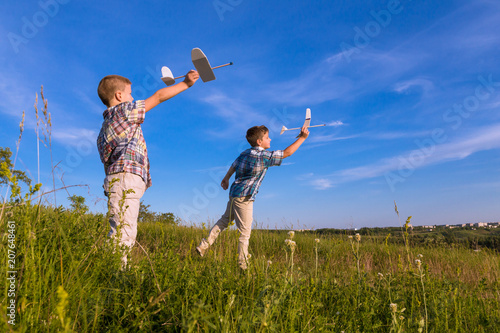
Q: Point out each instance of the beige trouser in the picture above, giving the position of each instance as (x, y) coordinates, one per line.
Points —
(123, 216)
(241, 210)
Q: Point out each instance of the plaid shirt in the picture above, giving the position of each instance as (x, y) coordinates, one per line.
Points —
(121, 144)
(251, 167)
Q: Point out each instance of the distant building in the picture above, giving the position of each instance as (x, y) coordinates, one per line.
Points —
(481, 224)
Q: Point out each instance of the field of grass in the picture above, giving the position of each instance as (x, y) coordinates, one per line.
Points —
(68, 279)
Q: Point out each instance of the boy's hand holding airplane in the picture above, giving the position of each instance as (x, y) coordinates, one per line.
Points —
(191, 78)
(304, 132)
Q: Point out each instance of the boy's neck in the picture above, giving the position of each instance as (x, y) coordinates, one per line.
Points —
(114, 103)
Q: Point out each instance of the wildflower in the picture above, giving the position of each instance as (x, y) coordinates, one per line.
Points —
(287, 241)
(291, 233)
(350, 237)
(394, 307)
(380, 275)
(317, 240)
(358, 237)
(418, 263)
(419, 255)
(269, 263)
(401, 318)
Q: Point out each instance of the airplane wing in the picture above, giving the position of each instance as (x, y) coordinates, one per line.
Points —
(202, 65)
(307, 122)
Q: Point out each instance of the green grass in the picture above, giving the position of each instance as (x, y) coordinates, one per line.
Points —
(169, 288)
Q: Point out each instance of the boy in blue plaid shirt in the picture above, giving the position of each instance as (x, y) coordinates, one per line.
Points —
(250, 167)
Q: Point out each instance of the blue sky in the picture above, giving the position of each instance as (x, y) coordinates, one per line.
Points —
(410, 91)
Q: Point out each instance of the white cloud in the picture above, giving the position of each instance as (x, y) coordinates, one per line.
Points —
(75, 137)
(235, 114)
(322, 184)
(404, 86)
(14, 97)
(305, 176)
(482, 139)
(398, 135)
(335, 123)
(329, 138)
(97, 108)
(314, 85)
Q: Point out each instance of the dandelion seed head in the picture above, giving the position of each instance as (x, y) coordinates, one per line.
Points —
(317, 240)
(401, 318)
(418, 263)
(419, 255)
(394, 307)
(358, 237)
(291, 233)
(350, 237)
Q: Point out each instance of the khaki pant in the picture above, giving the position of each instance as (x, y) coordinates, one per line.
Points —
(241, 211)
(123, 220)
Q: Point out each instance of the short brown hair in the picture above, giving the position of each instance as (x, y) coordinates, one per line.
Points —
(256, 133)
(109, 85)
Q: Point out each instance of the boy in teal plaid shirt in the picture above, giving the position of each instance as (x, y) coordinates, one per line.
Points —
(250, 167)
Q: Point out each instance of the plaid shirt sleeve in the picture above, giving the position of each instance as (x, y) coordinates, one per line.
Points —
(272, 158)
(135, 112)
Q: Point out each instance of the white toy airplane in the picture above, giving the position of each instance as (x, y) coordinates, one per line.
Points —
(201, 64)
(306, 123)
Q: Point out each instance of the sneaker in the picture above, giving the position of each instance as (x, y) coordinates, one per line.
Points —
(201, 251)
(244, 263)
(202, 248)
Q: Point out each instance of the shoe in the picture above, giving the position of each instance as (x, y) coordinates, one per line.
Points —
(244, 263)
(200, 251)
(202, 248)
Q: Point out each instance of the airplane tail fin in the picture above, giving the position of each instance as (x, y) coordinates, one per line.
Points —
(166, 76)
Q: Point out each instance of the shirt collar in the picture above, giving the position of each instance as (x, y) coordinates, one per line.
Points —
(258, 148)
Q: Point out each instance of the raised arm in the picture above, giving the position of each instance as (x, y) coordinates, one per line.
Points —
(166, 93)
(225, 181)
(304, 133)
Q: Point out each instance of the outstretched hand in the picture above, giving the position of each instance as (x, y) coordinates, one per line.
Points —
(304, 132)
(191, 77)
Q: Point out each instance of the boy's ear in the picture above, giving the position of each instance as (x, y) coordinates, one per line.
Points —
(118, 95)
